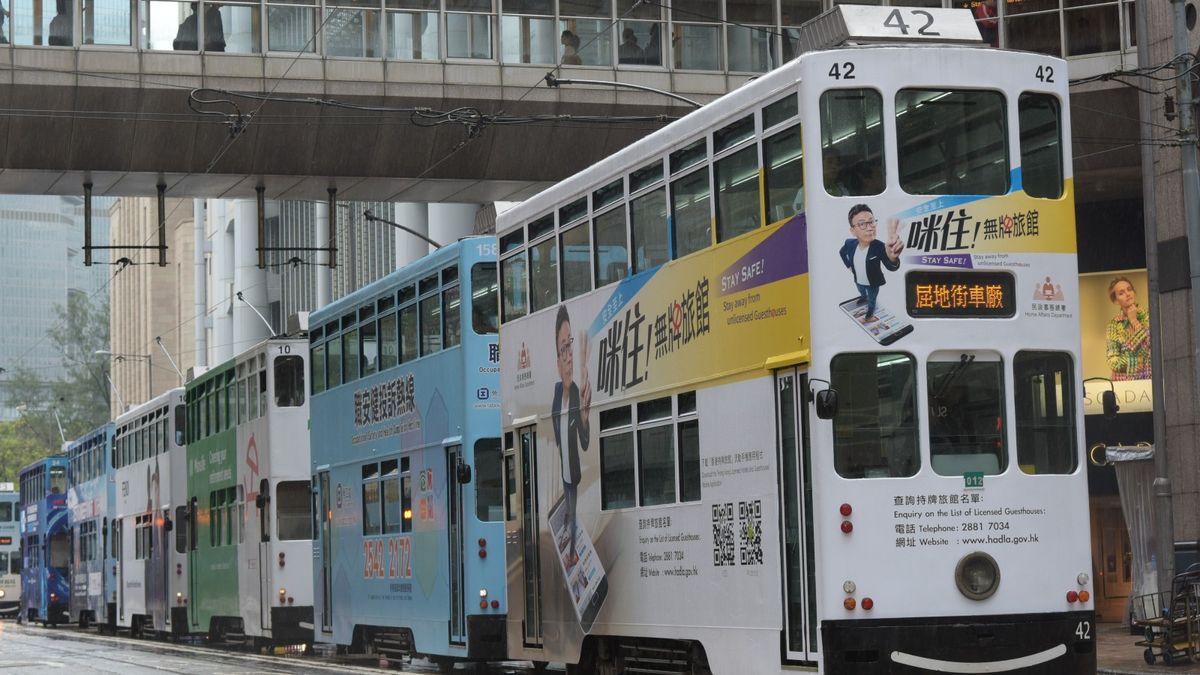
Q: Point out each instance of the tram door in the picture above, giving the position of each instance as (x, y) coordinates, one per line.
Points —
(796, 504)
(324, 513)
(530, 522)
(454, 522)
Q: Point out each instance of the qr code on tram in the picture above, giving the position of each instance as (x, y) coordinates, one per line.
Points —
(723, 538)
(750, 532)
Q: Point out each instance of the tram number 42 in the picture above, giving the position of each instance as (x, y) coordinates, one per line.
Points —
(1083, 630)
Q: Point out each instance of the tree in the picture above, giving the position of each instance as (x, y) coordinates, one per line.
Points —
(78, 401)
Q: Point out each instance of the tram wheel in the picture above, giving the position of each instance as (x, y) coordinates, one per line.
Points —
(1148, 655)
(1168, 657)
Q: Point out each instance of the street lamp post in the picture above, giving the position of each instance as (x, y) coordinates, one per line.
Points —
(145, 357)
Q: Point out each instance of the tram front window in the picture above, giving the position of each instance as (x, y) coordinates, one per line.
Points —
(951, 142)
(1044, 397)
(875, 430)
(966, 413)
(58, 480)
(60, 550)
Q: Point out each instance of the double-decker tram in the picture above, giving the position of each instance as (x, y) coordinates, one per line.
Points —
(406, 462)
(90, 498)
(249, 548)
(45, 541)
(10, 551)
(825, 412)
(150, 524)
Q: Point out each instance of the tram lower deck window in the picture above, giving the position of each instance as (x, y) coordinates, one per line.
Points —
(967, 430)
(875, 430)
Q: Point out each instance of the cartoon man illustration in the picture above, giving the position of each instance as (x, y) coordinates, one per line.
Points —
(864, 254)
(569, 414)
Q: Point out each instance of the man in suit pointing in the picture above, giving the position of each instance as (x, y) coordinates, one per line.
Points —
(569, 414)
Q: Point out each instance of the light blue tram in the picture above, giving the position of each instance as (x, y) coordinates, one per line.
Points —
(409, 548)
(10, 551)
(90, 502)
(46, 541)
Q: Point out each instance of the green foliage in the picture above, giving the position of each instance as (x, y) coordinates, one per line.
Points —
(79, 401)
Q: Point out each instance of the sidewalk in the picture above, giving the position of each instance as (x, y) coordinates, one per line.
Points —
(1117, 655)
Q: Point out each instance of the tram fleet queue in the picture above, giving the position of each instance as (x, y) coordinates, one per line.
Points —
(765, 391)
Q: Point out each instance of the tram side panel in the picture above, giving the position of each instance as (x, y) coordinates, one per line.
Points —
(10, 554)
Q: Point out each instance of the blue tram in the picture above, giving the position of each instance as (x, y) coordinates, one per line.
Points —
(409, 548)
(46, 542)
(90, 501)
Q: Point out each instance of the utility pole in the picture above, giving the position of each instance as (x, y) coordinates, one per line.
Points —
(1191, 210)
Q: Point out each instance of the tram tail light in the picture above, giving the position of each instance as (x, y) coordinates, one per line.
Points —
(495, 604)
(483, 604)
(846, 510)
(847, 526)
(1072, 596)
(849, 603)
(1084, 596)
(282, 595)
(867, 603)
(281, 559)
(178, 568)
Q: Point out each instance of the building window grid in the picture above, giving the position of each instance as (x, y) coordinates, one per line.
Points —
(366, 28)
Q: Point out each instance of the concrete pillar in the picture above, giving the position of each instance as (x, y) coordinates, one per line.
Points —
(450, 222)
(248, 279)
(322, 274)
(414, 216)
(221, 281)
(199, 290)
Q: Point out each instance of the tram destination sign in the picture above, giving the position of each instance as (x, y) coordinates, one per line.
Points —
(960, 294)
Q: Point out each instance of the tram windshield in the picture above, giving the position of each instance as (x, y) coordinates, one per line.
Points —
(875, 431)
(58, 480)
(966, 413)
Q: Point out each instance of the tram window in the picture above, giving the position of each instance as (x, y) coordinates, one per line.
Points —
(6, 511)
(60, 550)
(645, 176)
(648, 216)
(577, 261)
(484, 299)
(784, 175)
(951, 142)
(573, 211)
(610, 256)
(350, 363)
(289, 381)
(392, 521)
(333, 363)
(14, 564)
(292, 504)
(852, 142)
(1044, 396)
(389, 349)
(616, 471)
(408, 333)
(689, 156)
(181, 529)
(967, 430)
(58, 479)
(543, 274)
(431, 325)
(510, 485)
(690, 216)
(488, 487)
(262, 388)
(656, 465)
(405, 497)
(451, 317)
(370, 499)
(1041, 145)
(251, 397)
(737, 193)
(368, 348)
(781, 110)
(318, 372)
(513, 273)
(875, 431)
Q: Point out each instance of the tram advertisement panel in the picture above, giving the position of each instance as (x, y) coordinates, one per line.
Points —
(715, 319)
(1114, 324)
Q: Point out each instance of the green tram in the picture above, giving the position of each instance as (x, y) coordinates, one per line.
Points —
(249, 506)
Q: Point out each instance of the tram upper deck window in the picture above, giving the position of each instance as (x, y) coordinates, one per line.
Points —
(852, 142)
(784, 175)
(966, 413)
(6, 511)
(951, 142)
(289, 381)
(1041, 145)
(875, 431)
(1045, 401)
(484, 298)
(513, 275)
(58, 479)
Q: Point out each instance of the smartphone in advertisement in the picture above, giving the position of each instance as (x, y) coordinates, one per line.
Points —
(886, 328)
(586, 582)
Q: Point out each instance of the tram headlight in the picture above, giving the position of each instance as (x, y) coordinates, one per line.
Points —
(1, 592)
(977, 576)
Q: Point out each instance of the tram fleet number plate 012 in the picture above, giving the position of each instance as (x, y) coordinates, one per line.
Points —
(959, 294)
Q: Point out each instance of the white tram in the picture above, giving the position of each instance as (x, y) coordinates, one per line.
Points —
(824, 412)
(150, 527)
